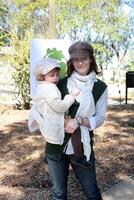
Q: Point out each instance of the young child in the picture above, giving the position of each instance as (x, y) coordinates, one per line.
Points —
(47, 111)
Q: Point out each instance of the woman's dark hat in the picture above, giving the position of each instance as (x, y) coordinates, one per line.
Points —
(80, 50)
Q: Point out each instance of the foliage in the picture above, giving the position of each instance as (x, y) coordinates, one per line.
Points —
(67, 21)
(113, 29)
(4, 29)
(102, 23)
(31, 15)
(59, 56)
(130, 66)
(20, 61)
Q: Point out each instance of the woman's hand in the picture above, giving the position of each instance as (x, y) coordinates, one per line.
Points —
(70, 125)
(83, 121)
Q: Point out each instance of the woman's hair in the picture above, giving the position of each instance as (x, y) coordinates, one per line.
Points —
(93, 66)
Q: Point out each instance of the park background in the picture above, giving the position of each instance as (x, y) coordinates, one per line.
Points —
(109, 27)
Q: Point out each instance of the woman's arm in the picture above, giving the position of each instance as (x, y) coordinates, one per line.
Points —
(101, 107)
(91, 122)
(98, 119)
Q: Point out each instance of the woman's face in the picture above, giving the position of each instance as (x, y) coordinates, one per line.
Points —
(81, 65)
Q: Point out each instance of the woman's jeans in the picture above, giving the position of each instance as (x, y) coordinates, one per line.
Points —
(59, 172)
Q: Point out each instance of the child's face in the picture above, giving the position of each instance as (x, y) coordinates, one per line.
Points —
(53, 76)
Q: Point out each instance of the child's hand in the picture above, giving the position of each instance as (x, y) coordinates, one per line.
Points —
(75, 92)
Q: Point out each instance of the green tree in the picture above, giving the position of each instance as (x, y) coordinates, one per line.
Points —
(100, 22)
(104, 24)
(31, 15)
(4, 27)
(114, 31)
(130, 63)
(20, 62)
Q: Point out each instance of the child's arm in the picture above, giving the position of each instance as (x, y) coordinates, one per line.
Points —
(53, 99)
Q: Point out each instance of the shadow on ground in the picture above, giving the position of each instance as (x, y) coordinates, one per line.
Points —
(24, 175)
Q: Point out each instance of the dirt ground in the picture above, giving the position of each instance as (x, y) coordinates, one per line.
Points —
(24, 176)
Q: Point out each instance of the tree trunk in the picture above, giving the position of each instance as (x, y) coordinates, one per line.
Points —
(52, 19)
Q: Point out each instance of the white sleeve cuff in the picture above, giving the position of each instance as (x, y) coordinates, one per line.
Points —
(92, 122)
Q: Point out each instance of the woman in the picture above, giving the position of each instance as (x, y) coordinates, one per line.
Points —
(86, 114)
